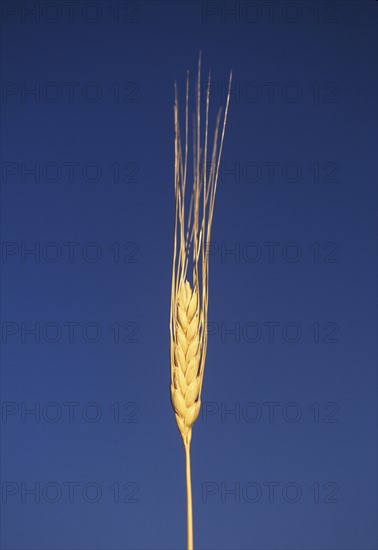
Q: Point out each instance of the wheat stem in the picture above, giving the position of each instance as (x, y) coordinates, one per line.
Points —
(189, 503)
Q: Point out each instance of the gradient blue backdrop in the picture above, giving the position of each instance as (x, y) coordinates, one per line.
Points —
(99, 127)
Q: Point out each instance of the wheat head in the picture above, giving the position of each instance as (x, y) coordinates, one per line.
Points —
(188, 345)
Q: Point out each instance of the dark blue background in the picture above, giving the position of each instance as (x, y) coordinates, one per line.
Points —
(316, 374)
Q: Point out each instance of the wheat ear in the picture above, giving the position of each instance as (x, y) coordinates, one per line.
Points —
(189, 300)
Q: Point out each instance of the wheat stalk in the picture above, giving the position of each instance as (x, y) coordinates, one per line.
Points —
(189, 300)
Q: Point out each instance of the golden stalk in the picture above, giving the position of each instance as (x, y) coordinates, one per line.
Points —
(189, 300)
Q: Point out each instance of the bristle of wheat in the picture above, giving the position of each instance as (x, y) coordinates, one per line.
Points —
(186, 383)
